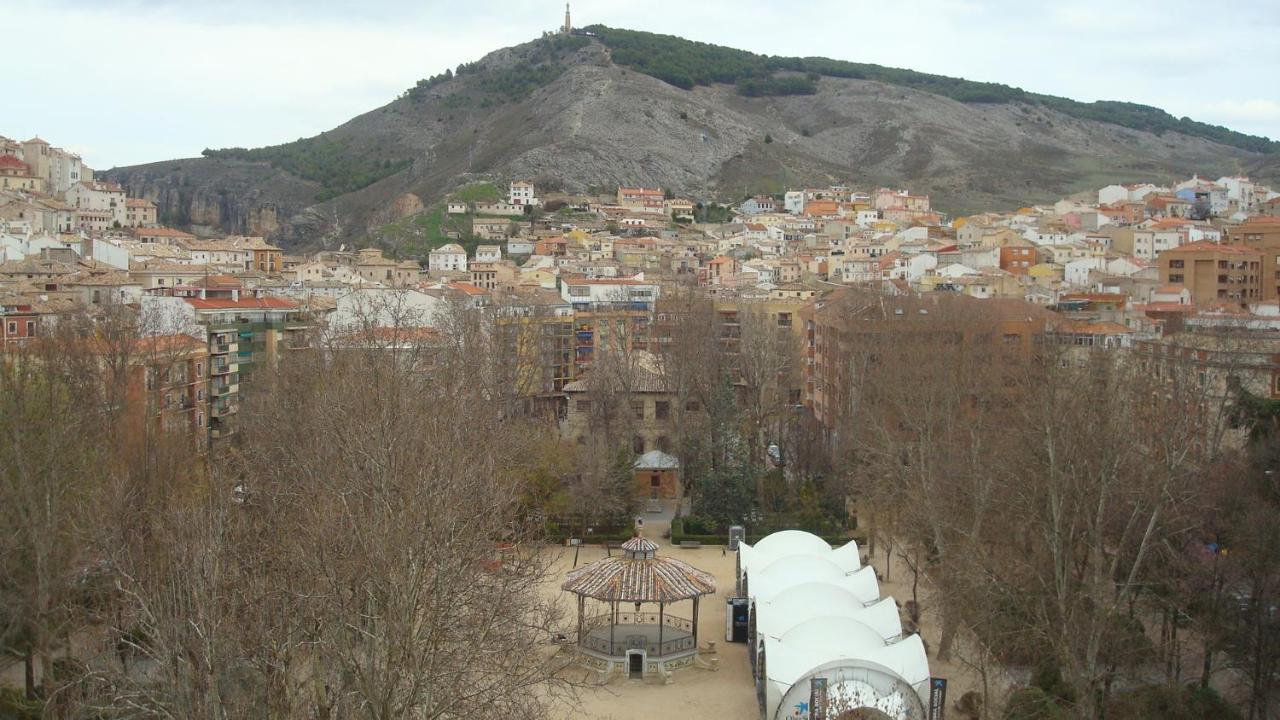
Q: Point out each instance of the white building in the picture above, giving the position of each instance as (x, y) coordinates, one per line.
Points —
(448, 258)
(793, 202)
(384, 307)
(100, 197)
(1077, 272)
(522, 193)
(584, 291)
(488, 253)
(1239, 192)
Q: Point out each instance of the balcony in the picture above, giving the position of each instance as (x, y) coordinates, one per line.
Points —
(222, 348)
(224, 389)
(223, 408)
(223, 367)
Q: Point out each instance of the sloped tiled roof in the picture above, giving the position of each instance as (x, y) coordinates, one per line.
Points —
(640, 576)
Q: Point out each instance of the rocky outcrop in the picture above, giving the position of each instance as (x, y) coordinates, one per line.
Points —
(226, 196)
(599, 125)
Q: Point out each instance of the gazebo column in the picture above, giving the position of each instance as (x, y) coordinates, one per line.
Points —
(660, 623)
(581, 602)
(613, 622)
(695, 621)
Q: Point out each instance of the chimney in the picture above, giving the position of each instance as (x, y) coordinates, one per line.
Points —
(235, 294)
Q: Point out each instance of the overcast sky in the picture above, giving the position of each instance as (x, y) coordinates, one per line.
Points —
(133, 81)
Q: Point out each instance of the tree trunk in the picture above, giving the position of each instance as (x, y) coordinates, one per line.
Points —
(948, 637)
(29, 673)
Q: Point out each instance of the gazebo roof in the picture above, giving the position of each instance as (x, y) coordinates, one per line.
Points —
(657, 460)
(639, 575)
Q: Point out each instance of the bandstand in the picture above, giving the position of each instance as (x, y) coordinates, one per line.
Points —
(616, 632)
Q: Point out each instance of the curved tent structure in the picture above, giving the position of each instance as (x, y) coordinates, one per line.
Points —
(860, 669)
(791, 543)
(821, 636)
(802, 603)
(789, 572)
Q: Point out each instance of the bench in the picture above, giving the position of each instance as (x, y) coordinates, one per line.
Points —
(691, 543)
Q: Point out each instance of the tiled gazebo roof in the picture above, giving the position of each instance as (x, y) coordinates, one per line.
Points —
(640, 576)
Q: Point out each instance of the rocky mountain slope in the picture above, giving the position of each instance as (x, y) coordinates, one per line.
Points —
(560, 110)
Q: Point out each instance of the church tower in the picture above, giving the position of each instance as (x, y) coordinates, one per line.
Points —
(568, 24)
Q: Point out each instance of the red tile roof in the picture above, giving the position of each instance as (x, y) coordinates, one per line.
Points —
(1212, 247)
(268, 302)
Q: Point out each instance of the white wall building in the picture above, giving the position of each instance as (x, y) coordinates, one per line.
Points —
(102, 197)
(521, 193)
(580, 291)
(448, 258)
(384, 307)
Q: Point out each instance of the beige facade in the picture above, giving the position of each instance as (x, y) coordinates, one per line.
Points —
(139, 212)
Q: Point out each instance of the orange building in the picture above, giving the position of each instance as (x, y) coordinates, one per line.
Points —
(821, 208)
(166, 387)
(1262, 234)
(849, 322)
(1017, 260)
(1214, 273)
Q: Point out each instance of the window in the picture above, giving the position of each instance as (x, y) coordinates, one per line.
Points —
(692, 406)
(583, 406)
(1176, 264)
(784, 320)
(637, 445)
(661, 410)
(13, 327)
(1011, 339)
(31, 328)
(654, 481)
(637, 409)
(1175, 278)
(199, 419)
(199, 369)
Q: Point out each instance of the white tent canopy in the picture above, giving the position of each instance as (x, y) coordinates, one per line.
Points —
(818, 614)
(798, 570)
(802, 603)
(875, 670)
(791, 543)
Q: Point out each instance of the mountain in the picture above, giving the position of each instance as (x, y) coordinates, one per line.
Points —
(605, 107)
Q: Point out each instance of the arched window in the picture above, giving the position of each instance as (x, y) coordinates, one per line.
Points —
(637, 445)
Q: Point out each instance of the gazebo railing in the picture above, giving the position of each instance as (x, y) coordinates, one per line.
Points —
(625, 635)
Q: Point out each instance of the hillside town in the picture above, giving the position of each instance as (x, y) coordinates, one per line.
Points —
(1136, 265)
(820, 381)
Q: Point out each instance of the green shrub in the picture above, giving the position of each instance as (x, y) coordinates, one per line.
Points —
(334, 164)
(1032, 703)
(1189, 702)
(15, 706)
